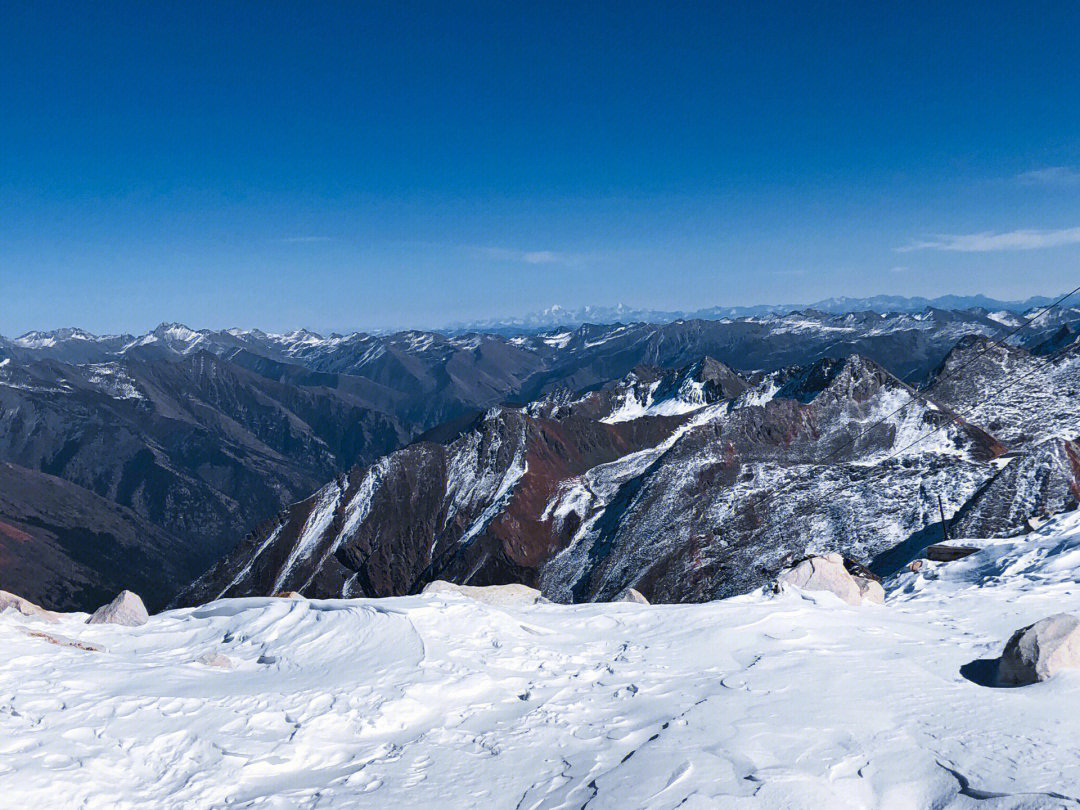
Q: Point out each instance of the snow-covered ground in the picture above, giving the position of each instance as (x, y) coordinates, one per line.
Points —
(762, 701)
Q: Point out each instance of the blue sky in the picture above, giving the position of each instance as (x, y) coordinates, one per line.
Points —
(381, 164)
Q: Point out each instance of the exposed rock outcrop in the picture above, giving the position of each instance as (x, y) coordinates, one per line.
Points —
(9, 601)
(1037, 652)
(127, 609)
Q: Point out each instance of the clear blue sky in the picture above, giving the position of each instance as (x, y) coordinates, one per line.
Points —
(377, 164)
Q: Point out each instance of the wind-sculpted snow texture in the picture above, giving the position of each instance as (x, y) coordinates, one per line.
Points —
(794, 701)
(682, 489)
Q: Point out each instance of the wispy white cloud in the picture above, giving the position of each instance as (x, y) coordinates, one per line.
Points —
(531, 256)
(1050, 176)
(990, 241)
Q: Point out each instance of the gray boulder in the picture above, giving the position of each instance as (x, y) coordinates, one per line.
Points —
(827, 572)
(631, 595)
(513, 595)
(127, 609)
(1036, 652)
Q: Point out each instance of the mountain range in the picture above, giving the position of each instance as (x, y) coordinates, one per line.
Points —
(557, 315)
(553, 457)
(685, 485)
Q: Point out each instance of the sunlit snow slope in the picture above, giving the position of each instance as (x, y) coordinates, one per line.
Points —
(761, 701)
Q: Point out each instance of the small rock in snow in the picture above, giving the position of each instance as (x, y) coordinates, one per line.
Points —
(215, 659)
(127, 609)
(62, 641)
(631, 595)
(498, 595)
(288, 595)
(1036, 652)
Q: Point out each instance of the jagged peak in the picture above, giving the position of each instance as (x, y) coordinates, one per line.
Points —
(973, 345)
(838, 375)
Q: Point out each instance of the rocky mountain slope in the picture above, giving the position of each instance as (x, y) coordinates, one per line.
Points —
(197, 446)
(64, 547)
(685, 485)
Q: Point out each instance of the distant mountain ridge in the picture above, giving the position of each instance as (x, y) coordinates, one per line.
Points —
(882, 304)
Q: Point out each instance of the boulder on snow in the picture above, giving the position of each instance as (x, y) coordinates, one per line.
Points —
(828, 572)
(947, 552)
(215, 659)
(512, 595)
(287, 595)
(9, 601)
(127, 609)
(631, 595)
(1036, 652)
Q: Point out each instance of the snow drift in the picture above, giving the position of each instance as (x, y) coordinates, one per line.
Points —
(794, 700)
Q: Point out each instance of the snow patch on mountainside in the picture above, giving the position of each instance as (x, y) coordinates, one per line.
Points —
(317, 523)
(113, 380)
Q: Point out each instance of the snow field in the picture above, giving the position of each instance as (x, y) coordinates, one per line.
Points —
(761, 701)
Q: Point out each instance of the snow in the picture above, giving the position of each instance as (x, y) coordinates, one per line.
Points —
(418, 342)
(796, 325)
(689, 397)
(243, 572)
(470, 483)
(558, 341)
(630, 407)
(314, 529)
(1004, 317)
(468, 343)
(762, 701)
(112, 380)
(35, 340)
